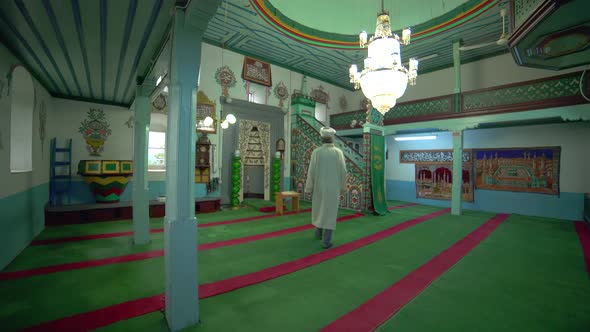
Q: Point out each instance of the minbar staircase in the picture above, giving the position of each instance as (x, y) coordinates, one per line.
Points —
(305, 137)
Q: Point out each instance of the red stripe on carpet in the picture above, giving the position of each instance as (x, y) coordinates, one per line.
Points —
(80, 265)
(128, 310)
(584, 236)
(224, 286)
(102, 317)
(269, 234)
(401, 206)
(155, 253)
(371, 314)
(156, 230)
(227, 222)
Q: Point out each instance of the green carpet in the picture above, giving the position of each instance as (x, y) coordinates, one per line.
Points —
(259, 203)
(89, 289)
(68, 252)
(311, 298)
(126, 225)
(529, 275)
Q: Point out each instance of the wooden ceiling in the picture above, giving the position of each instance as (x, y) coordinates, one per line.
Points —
(94, 49)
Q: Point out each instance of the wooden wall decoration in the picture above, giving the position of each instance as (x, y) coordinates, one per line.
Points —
(206, 107)
(202, 159)
(533, 170)
(256, 71)
(434, 181)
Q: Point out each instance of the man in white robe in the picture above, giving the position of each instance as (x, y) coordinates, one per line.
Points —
(326, 180)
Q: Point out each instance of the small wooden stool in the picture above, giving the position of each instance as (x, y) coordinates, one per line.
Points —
(280, 196)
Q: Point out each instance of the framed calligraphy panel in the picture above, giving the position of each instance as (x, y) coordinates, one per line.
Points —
(256, 71)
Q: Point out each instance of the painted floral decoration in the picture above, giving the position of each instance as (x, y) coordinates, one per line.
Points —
(95, 130)
(225, 77)
(130, 122)
(281, 92)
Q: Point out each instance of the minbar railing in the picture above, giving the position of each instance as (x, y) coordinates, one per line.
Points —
(305, 137)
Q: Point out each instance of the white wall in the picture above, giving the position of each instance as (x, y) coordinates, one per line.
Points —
(572, 137)
(67, 118)
(17, 182)
(22, 195)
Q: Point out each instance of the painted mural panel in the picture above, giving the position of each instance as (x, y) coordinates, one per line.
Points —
(534, 170)
(435, 181)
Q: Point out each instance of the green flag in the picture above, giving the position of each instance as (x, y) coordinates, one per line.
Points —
(378, 173)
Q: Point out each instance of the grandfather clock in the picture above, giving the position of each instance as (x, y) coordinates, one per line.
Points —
(202, 164)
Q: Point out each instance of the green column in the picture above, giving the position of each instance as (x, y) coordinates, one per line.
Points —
(276, 177)
(236, 179)
(141, 196)
(457, 172)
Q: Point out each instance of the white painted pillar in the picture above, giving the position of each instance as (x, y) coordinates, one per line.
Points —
(141, 196)
(180, 225)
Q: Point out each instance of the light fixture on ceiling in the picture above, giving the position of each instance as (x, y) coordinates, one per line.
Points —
(414, 138)
(384, 78)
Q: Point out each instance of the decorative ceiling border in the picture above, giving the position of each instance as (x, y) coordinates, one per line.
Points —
(294, 30)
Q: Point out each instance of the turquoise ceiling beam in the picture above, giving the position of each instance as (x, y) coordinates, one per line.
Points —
(81, 40)
(124, 44)
(103, 45)
(30, 50)
(61, 41)
(144, 39)
(25, 14)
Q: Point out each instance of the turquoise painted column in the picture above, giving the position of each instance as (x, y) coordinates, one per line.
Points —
(141, 195)
(457, 67)
(457, 185)
(180, 225)
(457, 137)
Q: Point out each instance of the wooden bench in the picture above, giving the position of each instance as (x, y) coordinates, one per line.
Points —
(280, 196)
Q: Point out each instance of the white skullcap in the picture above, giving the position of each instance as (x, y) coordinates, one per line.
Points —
(327, 132)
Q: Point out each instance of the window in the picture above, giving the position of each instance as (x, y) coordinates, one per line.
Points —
(22, 94)
(157, 151)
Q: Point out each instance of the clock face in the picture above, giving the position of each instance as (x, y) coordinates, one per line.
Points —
(203, 149)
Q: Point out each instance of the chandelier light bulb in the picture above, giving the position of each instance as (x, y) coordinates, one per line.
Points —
(406, 36)
(353, 69)
(208, 121)
(224, 124)
(363, 39)
(230, 118)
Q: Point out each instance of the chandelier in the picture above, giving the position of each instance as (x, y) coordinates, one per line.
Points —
(384, 79)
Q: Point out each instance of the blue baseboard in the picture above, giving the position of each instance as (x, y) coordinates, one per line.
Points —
(80, 193)
(568, 206)
(23, 218)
